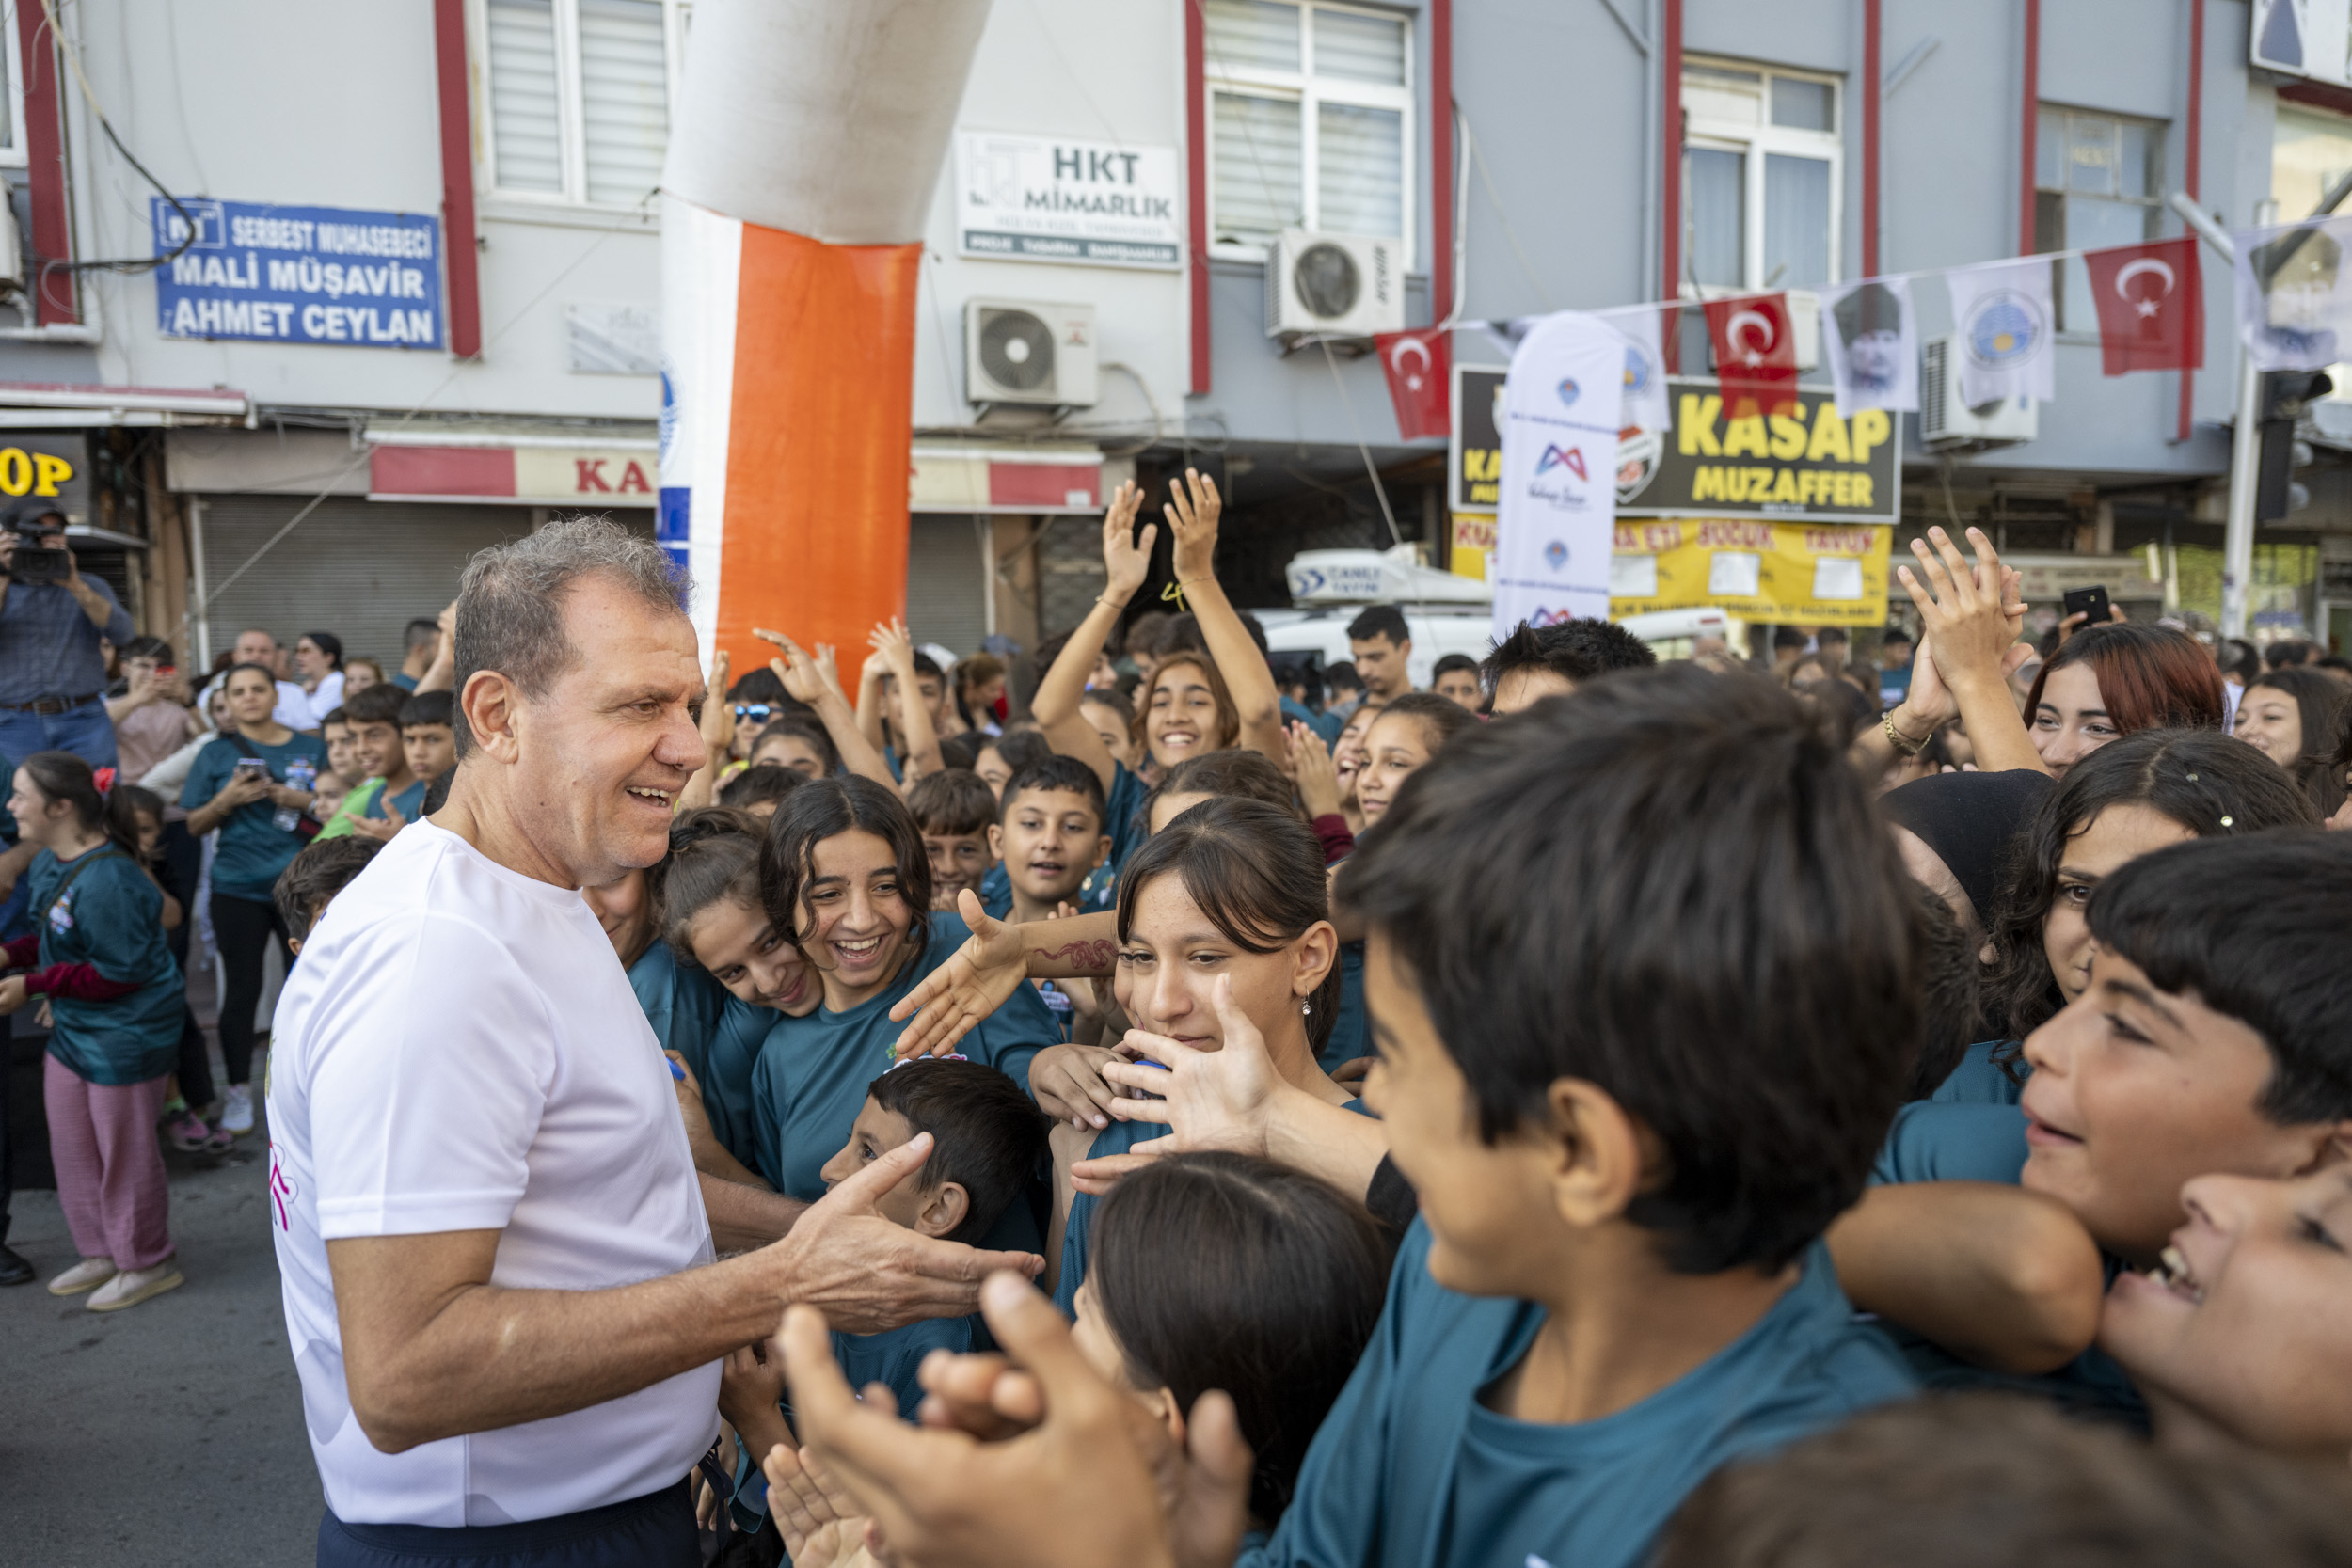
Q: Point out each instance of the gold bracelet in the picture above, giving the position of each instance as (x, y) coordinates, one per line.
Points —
(1106, 600)
(1901, 741)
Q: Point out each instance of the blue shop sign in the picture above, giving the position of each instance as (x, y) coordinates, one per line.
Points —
(298, 274)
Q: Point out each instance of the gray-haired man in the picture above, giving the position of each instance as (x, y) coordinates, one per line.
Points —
(496, 1251)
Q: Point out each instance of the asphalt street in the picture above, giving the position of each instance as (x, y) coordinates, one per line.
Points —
(169, 1433)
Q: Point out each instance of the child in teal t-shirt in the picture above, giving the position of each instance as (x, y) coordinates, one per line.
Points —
(98, 957)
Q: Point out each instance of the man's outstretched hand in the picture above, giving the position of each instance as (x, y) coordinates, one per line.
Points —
(868, 1274)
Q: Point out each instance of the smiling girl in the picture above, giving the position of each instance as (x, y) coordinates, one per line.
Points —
(2132, 799)
(843, 877)
(1410, 730)
(2111, 681)
(2293, 716)
(1223, 928)
(1190, 702)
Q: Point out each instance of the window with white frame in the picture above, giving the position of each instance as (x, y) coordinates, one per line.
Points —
(1311, 121)
(1761, 185)
(12, 86)
(2098, 182)
(578, 96)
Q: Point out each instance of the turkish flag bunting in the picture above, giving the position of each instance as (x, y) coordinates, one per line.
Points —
(1416, 365)
(1755, 355)
(2152, 312)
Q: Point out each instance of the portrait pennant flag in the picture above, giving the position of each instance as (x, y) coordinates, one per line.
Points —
(1871, 336)
(1756, 354)
(2003, 317)
(2151, 308)
(1416, 364)
(2294, 306)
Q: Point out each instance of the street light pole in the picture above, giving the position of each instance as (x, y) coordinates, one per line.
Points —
(2237, 546)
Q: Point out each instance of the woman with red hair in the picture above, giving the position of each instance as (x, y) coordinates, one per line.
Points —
(2107, 682)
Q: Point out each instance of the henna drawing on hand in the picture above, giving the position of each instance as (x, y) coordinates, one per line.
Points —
(1092, 957)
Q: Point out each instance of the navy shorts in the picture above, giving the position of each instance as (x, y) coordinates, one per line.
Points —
(656, 1530)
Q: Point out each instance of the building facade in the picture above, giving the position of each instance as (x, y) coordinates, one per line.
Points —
(411, 299)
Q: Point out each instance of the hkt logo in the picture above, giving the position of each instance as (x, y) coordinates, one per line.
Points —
(1572, 460)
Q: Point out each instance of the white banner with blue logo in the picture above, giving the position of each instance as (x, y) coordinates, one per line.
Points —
(2003, 319)
(1563, 403)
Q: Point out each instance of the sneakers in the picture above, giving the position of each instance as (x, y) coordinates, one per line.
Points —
(87, 1274)
(187, 1131)
(236, 1109)
(134, 1286)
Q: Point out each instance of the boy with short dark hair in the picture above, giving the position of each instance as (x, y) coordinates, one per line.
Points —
(988, 1141)
(1535, 662)
(428, 742)
(373, 713)
(1626, 1140)
(759, 788)
(1049, 836)
(1456, 678)
(319, 871)
(2214, 1039)
(955, 810)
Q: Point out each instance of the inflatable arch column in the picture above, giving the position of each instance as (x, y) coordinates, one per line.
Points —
(802, 155)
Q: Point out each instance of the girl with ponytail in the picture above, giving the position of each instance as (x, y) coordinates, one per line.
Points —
(115, 997)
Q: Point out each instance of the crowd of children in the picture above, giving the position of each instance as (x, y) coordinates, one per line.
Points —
(1581, 1113)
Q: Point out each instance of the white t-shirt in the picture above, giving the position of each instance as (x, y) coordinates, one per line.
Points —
(458, 1049)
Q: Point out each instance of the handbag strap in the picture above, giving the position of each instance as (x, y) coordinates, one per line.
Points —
(81, 863)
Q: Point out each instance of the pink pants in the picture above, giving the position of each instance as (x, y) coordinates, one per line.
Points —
(110, 1168)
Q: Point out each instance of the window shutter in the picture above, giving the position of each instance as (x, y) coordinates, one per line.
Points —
(624, 95)
(526, 125)
(1249, 35)
(1360, 48)
(1258, 166)
(1360, 172)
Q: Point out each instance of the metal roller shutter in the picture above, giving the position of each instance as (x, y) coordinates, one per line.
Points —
(1069, 573)
(946, 584)
(360, 569)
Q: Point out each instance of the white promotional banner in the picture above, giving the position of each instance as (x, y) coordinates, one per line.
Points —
(2294, 300)
(1871, 336)
(701, 266)
(2004, 317)
(1562, 405)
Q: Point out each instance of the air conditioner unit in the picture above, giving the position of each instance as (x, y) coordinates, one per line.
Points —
(1805, 323)
(1948, 425)
(1030, 353)
(1333, 286)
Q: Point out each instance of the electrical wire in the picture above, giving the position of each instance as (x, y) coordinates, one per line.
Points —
(134, 264)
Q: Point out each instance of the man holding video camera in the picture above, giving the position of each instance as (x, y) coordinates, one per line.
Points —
(53, 673)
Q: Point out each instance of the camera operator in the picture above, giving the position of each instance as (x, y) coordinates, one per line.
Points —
(53, 673)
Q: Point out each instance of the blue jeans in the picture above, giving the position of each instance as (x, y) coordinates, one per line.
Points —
(84, 729)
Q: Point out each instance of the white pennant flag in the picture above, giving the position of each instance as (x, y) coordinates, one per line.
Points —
(1870, 335)
(1562, 405)
(2294, 300)
(1645, 402)
(2004, 318)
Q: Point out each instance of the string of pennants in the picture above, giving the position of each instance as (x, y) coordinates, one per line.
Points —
(2293, 300)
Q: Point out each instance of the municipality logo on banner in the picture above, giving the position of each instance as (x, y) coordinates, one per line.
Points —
(1562, 405)
(2004, 315)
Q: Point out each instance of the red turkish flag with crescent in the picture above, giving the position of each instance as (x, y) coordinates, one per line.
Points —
(1416, 365)
(1756, 354)
(2152, 314)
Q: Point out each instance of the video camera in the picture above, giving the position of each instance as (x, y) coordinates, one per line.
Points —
(32, 562)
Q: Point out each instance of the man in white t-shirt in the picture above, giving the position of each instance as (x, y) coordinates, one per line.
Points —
(496, 1251)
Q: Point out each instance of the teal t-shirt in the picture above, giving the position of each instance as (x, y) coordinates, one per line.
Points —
(1410, 1469)
(111, 917)
(1947, 1142)
(812, 1072)
(1122, 816)
(1351, 1033)
(409, 802)
(253, 848)
(996, 891)
(719, 1038)
(1981, 1080)
(891, 1358)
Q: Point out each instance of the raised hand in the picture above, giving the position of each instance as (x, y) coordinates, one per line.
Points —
(1965, 611)
(1311, 768)
(977, 978)
(829, 669)
(1192, 511)
(1126, 557)
(890, 640)
(798, 671)
(822, 1527)
(717, 723)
